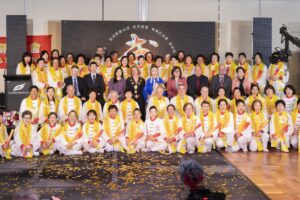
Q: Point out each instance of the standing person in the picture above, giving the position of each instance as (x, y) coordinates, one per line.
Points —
(127, 106)
(113, 127)
(25, 67)
(131, 59)
(166, 68)
(255, 94)
(142, 67)
(107, 71)
(63, 67)
(136, 85)
(278, 76)
(181, 58)
(152, 83)
(244, 64)
(5, 140)
(48, 105)
(221, 80)
(200, 60)
(77, 82)
(155, 132)
(118, 83)
(159, 101)
(50, 135)
(92, 138)
(39, 77)
(56, 78)
(175, 80)
(83, 69)
(149, 60)
(204, 97)
(135, 133)
(45, 55)
(91, 104)
(125, 67)
(95, 81)
(69, 103)
(259, 71)
(208, 131)
(196, 82)
(241, 82)
(115, 59)
(230, 65)
(70, 61)
(26, 140)
(101, 51)
(190, 130)
(214, 65)
(260, 127)
(281, 127)
(71, 136)
(188, 67)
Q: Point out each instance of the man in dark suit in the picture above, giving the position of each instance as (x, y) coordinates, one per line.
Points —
(221, 80)
(95, 82)
(195, 82)
(77, 82)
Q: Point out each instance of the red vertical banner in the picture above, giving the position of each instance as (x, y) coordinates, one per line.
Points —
(3, 61)
(37, 44)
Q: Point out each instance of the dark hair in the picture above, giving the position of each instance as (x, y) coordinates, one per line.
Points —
(40, 59)
(33, 87)
(113, 52)
(91, 111)
(200, 56)
(129, 54)
(51, 88)
(43, 53)
(73, 111)
(173, 71)
(137, 109)
(228, 54)
(93, 90)
(52, 59)
(171, 105)
(258, 54)
(221, 88)
(80, 55)
(240, 68)
(74, 67)
(159, 57)
(141, 56)
(269, 87)
(54, 50)
(254, 85)
(26, 54)
(149, 53)
(70, 54)
(115, 74)
(221, 100)
(214, 54)
(27, 112)
(153, 66)
(254, 102)
(111, 107)
(52, 113)
(205, 102)
(238, 101)
(97, 55)
(123, 57)
(178, 52)
(298, 101)
(60, 58)
(153, 107)
(289, 87)
(280, 101)
(107, 57)
(236, 88)
(92, 63)
(242, 54)
(186, 105)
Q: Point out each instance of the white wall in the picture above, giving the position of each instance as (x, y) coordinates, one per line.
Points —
(235, 18)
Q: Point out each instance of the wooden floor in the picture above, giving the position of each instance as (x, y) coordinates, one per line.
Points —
(276, 173)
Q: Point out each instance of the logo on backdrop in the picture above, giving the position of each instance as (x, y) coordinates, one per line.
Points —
(19, 87)
(152, 38)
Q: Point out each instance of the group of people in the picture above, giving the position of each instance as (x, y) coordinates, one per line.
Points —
(144, 104)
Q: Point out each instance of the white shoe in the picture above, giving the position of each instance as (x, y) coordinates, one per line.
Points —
(266, 150)
(245, 150)
(191, 152)
(36, 154)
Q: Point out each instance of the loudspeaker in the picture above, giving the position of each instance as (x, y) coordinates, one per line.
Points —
(16, 31)
(262, 38)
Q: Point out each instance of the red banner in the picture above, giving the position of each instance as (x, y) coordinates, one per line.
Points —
(35, 44)
(3, 52)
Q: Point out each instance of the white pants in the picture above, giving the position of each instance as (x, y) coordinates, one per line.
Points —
(116, 147)
(155, 146)
(240, 144)
(75, 150)
(1, 150)
(172, 149)
(294, 141)
(264, 138)
(208, 144)
(16, 149)
(220, 143)
(99, 149)
(140, 146)
(190, 144)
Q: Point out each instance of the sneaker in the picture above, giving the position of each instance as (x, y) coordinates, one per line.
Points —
(36, 154)
(266, 150)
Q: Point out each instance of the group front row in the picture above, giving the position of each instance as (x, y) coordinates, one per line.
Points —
(191, 133)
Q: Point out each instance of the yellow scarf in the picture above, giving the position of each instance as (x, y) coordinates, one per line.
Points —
(211, 118)
(96, 129)
(56, 77)
(188, 70)
(29, 105)
(224, 121)
(165, 71)
(179, 104)
(126, 72)
(170, 130)
(246, 67)
(232, 70)
(94, 106)
(47, 134)
(161, 105)
(243, 124)
(107, 128)
(213, 69)
(279, 126)
(76, 105)
(189, 124)
(41, 75)
(25, 133)
(277, 71)
(23, 69)
(3, 135)
(67, 138)
(134, 129)
(203, 69)
(233, 105)
(251, 98)
(124, 105)
(200, 100)
(257, 72)
(270, 103)
(83, 70)
(144, 71)
(46, 108)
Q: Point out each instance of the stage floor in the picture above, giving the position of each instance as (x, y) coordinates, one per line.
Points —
(120, 176)
(276, 173)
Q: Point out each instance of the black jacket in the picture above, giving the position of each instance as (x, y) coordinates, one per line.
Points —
(215, 84)
(192, 87)
(99, 86)
(81, 86)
